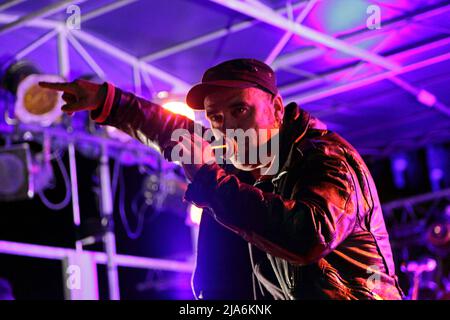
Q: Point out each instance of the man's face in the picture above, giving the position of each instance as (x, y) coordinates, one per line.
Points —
(249, 108)
(230, 108)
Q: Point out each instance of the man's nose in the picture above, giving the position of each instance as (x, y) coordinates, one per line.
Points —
(228, 123)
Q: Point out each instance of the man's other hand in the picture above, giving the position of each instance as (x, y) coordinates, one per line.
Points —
(196, 151)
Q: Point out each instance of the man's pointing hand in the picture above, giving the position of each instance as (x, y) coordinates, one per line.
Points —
(79, 95)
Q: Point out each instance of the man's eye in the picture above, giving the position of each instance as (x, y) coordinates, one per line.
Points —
(239, 111)
(214, 118)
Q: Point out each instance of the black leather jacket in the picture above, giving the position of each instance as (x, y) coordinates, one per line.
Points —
(315, 230)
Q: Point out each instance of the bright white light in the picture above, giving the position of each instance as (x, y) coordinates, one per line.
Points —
(195, 214)
(162, 94)
(179, 108)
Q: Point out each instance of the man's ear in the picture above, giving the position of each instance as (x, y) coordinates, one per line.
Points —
(278, 109)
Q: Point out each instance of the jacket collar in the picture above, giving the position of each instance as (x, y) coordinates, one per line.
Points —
(296, 124)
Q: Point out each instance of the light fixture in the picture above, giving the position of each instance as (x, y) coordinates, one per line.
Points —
(438, 234)
(194, 215)
(174, 103)
(34, 104)
(179, 107)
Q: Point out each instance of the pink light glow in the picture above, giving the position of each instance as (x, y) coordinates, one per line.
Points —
(427, 98)
(179, 108)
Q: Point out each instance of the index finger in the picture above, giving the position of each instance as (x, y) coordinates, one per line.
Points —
(60, 86)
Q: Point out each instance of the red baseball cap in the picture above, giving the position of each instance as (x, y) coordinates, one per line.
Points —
(236, 73)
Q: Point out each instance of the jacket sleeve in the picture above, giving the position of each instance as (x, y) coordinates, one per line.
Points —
(319, 216)
(141, 119)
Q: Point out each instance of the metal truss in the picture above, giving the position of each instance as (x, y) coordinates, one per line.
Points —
(9, 4)
(412, 201)
(195, 42)
(36, 20)
(410, 219)
(42, 13)
(87, 272)
(307, 54)
(276, 20)
(252, 9)
(287, 36)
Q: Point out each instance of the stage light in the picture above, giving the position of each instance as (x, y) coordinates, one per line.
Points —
(438, 237)
(399, 164)
(426, 98)
(194, 215)
(179, 107)
(162, 95)
(38, 105)
(34, 104)
(424, 265)
(407, 171)
(174, 103)
(438, 163)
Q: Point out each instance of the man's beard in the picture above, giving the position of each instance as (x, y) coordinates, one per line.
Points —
(248, 153)
(243, 161)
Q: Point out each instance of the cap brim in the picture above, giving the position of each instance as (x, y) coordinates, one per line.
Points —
(196, 96)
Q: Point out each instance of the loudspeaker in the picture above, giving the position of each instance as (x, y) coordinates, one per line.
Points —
(16, 180)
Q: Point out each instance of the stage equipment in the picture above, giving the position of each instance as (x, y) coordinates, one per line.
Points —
(67, 136)
(16, 180)
(174, 103)
(33, 104)
(438, 234)
(438, 163)
(170, 193)
(109, 238)
(417, 270)
(194, 215)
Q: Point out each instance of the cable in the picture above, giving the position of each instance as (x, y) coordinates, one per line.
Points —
(116, 170)
(275, 291)
(135, 208)
(132, 234)
(123, 216)
(66, 200)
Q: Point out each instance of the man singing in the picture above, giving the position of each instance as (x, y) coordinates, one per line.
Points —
(311, 229)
